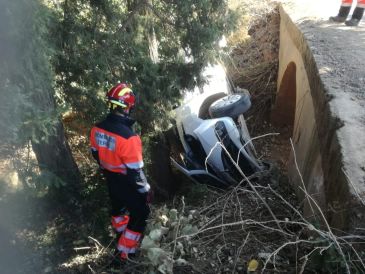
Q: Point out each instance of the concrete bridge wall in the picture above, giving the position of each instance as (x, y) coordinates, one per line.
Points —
(303, 103)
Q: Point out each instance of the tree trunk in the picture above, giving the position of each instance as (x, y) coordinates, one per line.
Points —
(51, 148)
(151, 36)
(54, 156)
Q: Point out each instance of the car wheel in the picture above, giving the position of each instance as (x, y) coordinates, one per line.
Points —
(204, 108)
(231, 106)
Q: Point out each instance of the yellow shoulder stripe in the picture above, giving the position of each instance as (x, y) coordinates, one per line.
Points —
(124, 91)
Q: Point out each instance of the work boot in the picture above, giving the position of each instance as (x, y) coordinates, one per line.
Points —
(352, 22)
(342, 15)
(356, 17)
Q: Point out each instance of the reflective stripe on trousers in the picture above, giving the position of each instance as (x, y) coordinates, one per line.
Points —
(119, 223)
(128, 242)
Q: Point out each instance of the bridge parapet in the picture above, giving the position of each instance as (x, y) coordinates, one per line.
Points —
(321, 96)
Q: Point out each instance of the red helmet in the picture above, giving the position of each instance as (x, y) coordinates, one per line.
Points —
(121, 95)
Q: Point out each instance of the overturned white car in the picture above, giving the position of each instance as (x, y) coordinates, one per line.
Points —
(213, 134)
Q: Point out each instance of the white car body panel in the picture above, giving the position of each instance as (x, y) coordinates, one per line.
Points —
(206, 135)
(187, 115)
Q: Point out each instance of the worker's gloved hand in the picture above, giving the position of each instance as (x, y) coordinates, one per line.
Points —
(139, 179)
(150, 196)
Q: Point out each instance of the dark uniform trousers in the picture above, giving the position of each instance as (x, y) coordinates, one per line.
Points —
(123, 193)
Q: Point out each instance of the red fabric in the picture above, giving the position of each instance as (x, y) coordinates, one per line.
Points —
(128, 242)
(130, 150)
(347, 3)
(124, 255)
(116, 152)
(123, 94)
(113, 92)
(121, 224)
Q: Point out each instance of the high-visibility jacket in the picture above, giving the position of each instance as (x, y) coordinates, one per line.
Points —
(348, 3)
(118, 149)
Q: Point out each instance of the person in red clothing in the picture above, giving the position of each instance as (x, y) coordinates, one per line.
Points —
(118, 151)
(345, 10)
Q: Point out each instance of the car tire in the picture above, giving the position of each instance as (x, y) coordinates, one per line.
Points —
(231, 106)
(204, 108)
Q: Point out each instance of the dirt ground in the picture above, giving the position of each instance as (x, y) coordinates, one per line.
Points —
(15, 211)
(339, 52)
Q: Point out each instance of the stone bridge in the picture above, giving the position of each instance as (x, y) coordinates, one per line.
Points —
(321, 97)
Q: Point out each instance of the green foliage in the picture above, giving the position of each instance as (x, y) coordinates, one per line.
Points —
(44, 180)
(29, 111)
(25, 72)
(329, 260)
(103, 42)
(169, 226)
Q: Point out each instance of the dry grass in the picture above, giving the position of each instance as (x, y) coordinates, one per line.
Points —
(253, 61)
(258, 219)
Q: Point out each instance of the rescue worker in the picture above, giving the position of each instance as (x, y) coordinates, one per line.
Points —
(345, 10)
(118, 151)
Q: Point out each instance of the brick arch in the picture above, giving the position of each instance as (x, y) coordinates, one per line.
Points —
(283, 113)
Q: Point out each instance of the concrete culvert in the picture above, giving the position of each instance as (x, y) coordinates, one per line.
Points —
(317, 101)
